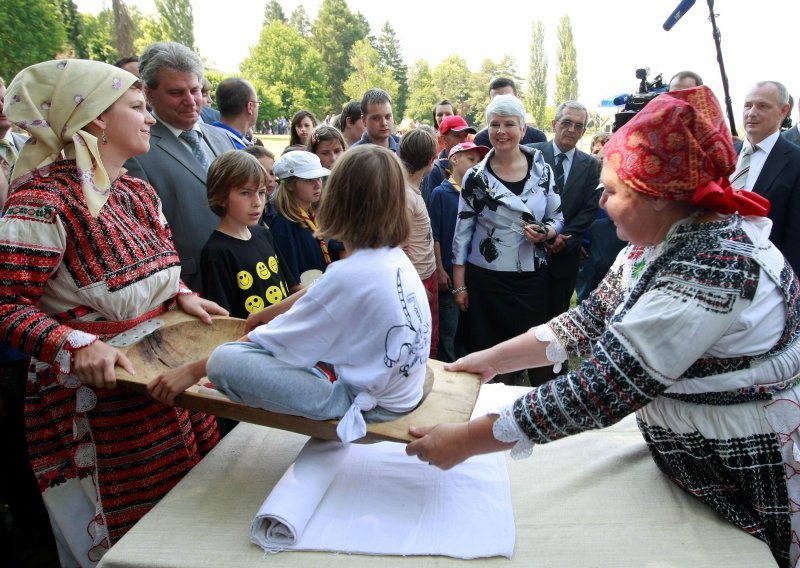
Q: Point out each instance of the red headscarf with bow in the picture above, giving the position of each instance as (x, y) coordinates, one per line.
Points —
(679, 147)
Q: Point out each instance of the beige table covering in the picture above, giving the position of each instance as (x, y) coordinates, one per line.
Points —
(596, 500)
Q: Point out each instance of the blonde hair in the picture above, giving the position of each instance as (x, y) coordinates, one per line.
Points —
(364, 203)
(230, 170)
(286, 201)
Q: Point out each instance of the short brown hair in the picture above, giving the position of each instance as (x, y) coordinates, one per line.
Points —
(259, 152)
(418, 148)
(364, 203)
(230, 170)
(323, 133)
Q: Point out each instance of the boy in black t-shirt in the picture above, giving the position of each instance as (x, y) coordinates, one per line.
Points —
(241, 267)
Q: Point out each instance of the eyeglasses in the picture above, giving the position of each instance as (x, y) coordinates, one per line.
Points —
(257, 101)
(568, 124)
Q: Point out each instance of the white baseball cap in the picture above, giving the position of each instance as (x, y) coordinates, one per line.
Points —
(299, 164)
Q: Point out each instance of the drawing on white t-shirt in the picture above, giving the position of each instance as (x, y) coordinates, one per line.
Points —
(405, 343)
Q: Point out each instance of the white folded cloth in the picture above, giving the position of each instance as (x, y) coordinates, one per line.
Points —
(374, 499)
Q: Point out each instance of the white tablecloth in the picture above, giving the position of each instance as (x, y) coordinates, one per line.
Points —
(596, 499)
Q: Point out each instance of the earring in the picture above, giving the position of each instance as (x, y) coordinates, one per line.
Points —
(103, 139)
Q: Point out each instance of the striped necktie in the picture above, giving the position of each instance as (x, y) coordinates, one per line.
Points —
(192, 138)
(739, 177)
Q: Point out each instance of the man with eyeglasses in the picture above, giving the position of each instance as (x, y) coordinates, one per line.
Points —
(238, 109)
(576, 178)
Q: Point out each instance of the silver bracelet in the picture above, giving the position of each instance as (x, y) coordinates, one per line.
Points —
(459, 290)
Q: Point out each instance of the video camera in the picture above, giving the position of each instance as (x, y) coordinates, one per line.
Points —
(636, 102)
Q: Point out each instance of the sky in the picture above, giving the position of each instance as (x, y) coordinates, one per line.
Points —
(612, 38)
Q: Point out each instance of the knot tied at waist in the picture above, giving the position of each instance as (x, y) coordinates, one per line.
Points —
(352, 426)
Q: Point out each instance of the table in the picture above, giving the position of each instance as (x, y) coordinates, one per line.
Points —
(596, 499)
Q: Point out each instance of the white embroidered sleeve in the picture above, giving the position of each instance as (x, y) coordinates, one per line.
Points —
(505, 429)
(555, 352)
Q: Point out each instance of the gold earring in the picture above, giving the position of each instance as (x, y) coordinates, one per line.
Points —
(103, 138)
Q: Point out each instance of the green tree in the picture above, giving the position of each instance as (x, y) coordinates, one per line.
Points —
(299, 21)
(567, 58)
(537, 75)
(98, 32)
(31, 32)
(177, 21)
(147, 29)
(333, 35)
(422, 94)
(391, 58)
(368, 73)
(73, 25)
(286, 71)
(273, 12)
(453, 80)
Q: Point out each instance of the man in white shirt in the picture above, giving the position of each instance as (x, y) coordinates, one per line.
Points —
(770, 165)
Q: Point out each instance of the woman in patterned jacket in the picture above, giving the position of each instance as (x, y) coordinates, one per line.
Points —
(85, 254)
(506, 212)
(695, 328)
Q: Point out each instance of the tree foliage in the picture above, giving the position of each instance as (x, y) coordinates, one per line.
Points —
(31, 32)
(76, 41)
(368, 73)
(273, 12)
(333, 35)
(537, 76)
(567, 59)
(391, 58)
(177, 21)
(286, 71)
(422, 94)
(147, 29)
(299, 21)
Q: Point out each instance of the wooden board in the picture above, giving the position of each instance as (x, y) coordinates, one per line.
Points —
(449, 397)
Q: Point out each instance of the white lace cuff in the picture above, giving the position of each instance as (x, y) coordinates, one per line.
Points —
(505, 429)
(63, 360)
(555, 352)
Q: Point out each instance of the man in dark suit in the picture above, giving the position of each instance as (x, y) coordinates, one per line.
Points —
(770, 165)
(505, 86)
(576, 178)
(181, 149)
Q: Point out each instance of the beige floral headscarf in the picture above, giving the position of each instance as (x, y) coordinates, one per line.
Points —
(53, 101)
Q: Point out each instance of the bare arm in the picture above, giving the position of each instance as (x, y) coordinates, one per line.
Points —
(521, 352)
(268, 314)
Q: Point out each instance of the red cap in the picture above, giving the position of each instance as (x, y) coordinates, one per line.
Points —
(456, 124)
(464, 146)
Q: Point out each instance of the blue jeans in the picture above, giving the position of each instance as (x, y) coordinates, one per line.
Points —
(448, 324)
(248, 374)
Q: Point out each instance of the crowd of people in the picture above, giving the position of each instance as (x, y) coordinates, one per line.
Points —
(357, 254)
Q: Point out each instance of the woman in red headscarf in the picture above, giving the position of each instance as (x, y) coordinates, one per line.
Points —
(696, 328)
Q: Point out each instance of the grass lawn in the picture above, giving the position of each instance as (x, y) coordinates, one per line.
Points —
(275, 143)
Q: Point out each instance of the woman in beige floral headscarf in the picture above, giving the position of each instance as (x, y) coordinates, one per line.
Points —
(91, 257)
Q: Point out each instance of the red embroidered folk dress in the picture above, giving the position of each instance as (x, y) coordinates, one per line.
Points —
(102, 457)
